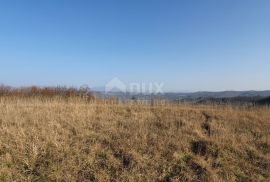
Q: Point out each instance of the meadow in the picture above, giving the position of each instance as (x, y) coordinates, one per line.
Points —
(74, 139)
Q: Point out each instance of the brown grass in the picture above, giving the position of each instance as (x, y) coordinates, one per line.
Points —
(74, 140)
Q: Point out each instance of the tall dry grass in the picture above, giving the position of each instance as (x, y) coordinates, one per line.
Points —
(56, 139)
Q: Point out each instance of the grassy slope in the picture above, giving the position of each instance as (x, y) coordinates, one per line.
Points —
(77, 141)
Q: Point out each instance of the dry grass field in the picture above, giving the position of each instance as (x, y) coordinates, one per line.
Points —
(74, 140)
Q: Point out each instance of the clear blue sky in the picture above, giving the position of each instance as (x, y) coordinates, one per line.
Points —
(187, 44)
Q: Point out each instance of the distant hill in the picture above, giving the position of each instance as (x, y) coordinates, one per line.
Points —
(251, 96)
(224, 94)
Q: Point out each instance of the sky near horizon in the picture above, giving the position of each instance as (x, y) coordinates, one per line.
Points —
(189, 45)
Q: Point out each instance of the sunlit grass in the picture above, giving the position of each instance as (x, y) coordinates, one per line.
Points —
(74, 139)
